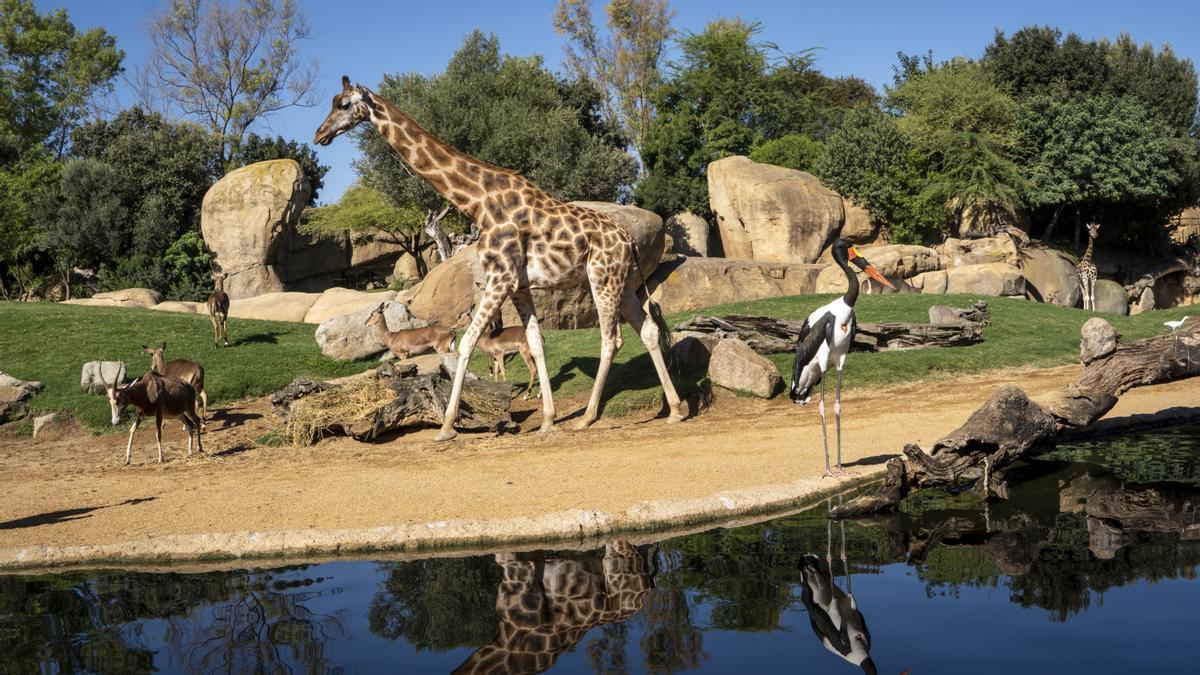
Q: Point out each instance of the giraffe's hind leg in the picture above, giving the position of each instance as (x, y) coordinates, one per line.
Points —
(523, 301)
(650, 332)
(610, 344)
(489, 304)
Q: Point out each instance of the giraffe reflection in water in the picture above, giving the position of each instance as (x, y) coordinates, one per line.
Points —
(547, 604)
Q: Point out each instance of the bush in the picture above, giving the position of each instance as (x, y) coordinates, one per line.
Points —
(795, 151)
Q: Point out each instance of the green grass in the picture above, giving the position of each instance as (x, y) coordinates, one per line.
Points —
(48, 342)
(51, 342)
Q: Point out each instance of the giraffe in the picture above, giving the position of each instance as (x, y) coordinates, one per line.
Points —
(546, 605)
(1086, 269)
(527, 240)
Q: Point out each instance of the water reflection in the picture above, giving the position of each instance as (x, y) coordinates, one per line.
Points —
(834, 613)
(1072, 531)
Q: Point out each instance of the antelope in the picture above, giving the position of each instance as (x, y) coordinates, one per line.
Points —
(161, 396)
(500, 342)
(218, 308)
(188, 371)
(405, 343)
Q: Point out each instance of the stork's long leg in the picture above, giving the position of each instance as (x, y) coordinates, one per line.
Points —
(824, 432)
(837, 415)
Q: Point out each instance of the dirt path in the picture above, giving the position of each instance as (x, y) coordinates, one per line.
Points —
(73, 492)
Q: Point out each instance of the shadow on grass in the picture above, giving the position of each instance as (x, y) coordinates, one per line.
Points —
(65, 515)
(233, 419)
(257, 338)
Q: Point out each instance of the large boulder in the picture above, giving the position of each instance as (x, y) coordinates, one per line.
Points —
(452, 288)
(374, 252)
(97, 375)
(960, 252)
(978, 223)
(771, 213)
(339, 301)
(273, 306)
(1111, 297)
(702, 282)
(348, 337)
(1051, 277)
(689, 233)
(1143, 301)
(313, 261)
(181, 306)
(1185, 227)
(894, 261)
(247, 216)
(734, 365)
(143, 297)
(692, 349)
(103, 302)
(857, 226)
(995, 278)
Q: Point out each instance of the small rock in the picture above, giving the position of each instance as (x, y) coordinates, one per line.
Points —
(692, 350)
(1144, 302)
(734, 365)
(1099, 339)
(348, 337)
(97, 375)
(41, 421)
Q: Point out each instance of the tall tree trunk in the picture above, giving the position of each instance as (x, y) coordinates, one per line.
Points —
(1053, 221)
(433, 228)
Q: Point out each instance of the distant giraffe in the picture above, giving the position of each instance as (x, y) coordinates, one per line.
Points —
(527, 240)
(547, 605)
(1086, 270)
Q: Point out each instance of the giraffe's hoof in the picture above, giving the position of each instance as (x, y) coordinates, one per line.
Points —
(583, 424)
(547, 428)
(674, 418)
(445, 435)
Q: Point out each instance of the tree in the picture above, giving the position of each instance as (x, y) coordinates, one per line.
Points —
(367, 213)
(728, 95)
(506, 110)
(263, 148)
(795, 151)
(49, 72)
(25, 186)
(86, 228)
(624, 65)
(229, 66)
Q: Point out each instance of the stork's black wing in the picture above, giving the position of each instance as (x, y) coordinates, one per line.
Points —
(811, 338)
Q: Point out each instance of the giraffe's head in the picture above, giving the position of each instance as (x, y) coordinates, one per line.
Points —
(349, 110)
(1093, 229)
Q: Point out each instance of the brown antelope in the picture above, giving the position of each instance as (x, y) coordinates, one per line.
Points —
(405, 343)
(188, 371)
(218, 309)
(500, 342)
(161, 396)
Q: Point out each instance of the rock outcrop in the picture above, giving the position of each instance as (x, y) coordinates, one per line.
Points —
(15, 395)
(246, 218)
(341, 301)
(998, 279)
(452, 288)
(771, 213)
(734, 365)
(961, 252)
(181, 306)
(703, 282)
(1111, 297)
(143, 297)
(281, 306)
(857, 225)
(1051, 277)
(689, 232)
(894, 261)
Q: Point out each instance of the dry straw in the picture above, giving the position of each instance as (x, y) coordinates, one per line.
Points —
(313, 415)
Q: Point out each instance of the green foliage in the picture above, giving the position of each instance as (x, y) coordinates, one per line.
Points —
(366, 213)
(264, 356)
(25, 186)
(795, 151)
(506, 110)
(264, 148)
(49, 72)
(727, 95)
(624, 64)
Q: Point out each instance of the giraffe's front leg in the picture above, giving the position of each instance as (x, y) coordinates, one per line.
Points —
(610, 342)
(489, 303)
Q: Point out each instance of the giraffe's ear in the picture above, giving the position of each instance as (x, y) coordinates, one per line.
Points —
(345, 83)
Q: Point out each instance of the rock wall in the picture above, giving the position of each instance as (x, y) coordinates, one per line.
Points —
(772, 213)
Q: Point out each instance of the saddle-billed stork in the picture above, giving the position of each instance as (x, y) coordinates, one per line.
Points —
(825, 338)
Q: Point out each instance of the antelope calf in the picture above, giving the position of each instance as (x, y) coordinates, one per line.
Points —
(218, 309)
(188, 371)
(161, 396)
(406, 343)
(500, 342)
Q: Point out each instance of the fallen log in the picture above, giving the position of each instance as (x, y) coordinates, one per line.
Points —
(767, 335)
(1010, 426)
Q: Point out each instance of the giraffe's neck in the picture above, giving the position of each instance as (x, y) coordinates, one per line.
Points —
(455, 175)
(1087, 255)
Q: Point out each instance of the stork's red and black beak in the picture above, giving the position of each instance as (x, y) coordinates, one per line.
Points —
(872, 271)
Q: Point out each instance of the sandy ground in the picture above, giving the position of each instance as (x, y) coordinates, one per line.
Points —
(72, 492)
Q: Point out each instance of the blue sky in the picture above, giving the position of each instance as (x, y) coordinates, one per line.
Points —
(366, 39)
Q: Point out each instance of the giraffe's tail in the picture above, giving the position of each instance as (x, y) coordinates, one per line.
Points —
(665, 342)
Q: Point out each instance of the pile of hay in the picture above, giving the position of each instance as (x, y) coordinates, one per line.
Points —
(336, 410)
